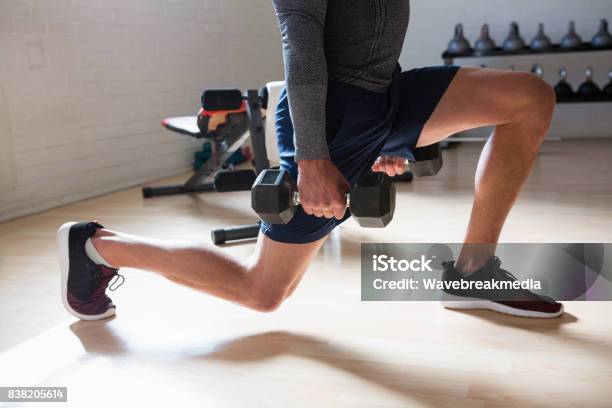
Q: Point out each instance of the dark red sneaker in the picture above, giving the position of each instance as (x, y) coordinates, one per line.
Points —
(516, 302)
(83, 282)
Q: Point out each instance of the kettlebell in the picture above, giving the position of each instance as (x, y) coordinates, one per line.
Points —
(602, 39)
(608, 89)
(541, 41)
(459, 44)
(514, 42)
(588, 87)
(563, 89)
(538, 70)
(485, 43)
(571, 40)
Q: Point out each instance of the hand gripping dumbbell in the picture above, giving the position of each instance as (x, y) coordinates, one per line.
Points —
(274, 197)
(427, 162)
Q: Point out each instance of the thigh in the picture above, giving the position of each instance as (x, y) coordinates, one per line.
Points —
(476, 97)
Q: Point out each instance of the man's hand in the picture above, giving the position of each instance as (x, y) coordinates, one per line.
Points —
(322, 189)
(392, 165)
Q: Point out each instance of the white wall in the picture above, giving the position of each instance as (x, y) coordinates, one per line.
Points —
(432, 24)
(85, 83)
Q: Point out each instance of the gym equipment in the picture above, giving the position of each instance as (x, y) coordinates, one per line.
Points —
(588, 87)
(538, 70)
(608, 89)
(223, 235)
(571, 40)
(603, 38)
(427, 161)
(485, 43)
(541, 42)
(371, 201)
(224, 181)
(221, 99)
(514, 42)
(202, 155)
(459, 44)
(263, 96)
(226, 121)
(563, 89)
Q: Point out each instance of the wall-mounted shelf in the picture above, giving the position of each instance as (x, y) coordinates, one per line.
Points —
(556, 49)
(585, 99)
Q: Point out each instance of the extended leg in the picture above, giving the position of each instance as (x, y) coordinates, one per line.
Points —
(520, 106)
(261, 282)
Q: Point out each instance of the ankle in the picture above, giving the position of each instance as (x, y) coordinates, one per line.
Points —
(98, 249)
(474, 256)
(470, 265)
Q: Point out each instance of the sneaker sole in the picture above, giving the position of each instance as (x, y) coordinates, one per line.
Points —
(63, 233)
(462, 303)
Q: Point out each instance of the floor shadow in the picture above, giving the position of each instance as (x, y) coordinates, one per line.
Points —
(543, 326)
(425, 387)
(97, 337)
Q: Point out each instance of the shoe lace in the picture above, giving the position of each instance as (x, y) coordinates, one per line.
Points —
(117, 277)
(111, 281)
(505, 275)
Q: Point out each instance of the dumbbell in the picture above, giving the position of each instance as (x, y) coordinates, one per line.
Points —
(427, 161)
(274, 197)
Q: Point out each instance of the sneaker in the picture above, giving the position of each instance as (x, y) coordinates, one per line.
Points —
(518, 302)
(83, 282)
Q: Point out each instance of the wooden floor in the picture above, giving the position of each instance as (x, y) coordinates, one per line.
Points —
(171, 346)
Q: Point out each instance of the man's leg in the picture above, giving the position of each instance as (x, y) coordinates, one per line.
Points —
(521, 107)
(260, 282)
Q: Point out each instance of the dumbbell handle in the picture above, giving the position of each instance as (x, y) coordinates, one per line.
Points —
(296, 199)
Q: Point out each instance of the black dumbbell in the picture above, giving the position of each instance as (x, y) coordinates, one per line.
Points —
(274, 197)
(427, 161)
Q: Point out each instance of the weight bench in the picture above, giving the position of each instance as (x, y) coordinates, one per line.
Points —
(227, 129)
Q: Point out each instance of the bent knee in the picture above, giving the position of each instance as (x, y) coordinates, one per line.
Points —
(537, 97)
(266, 297)
(268, 301)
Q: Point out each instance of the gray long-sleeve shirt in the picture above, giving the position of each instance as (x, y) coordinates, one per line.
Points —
(357, 42)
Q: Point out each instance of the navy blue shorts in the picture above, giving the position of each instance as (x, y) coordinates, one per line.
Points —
(361, 125)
